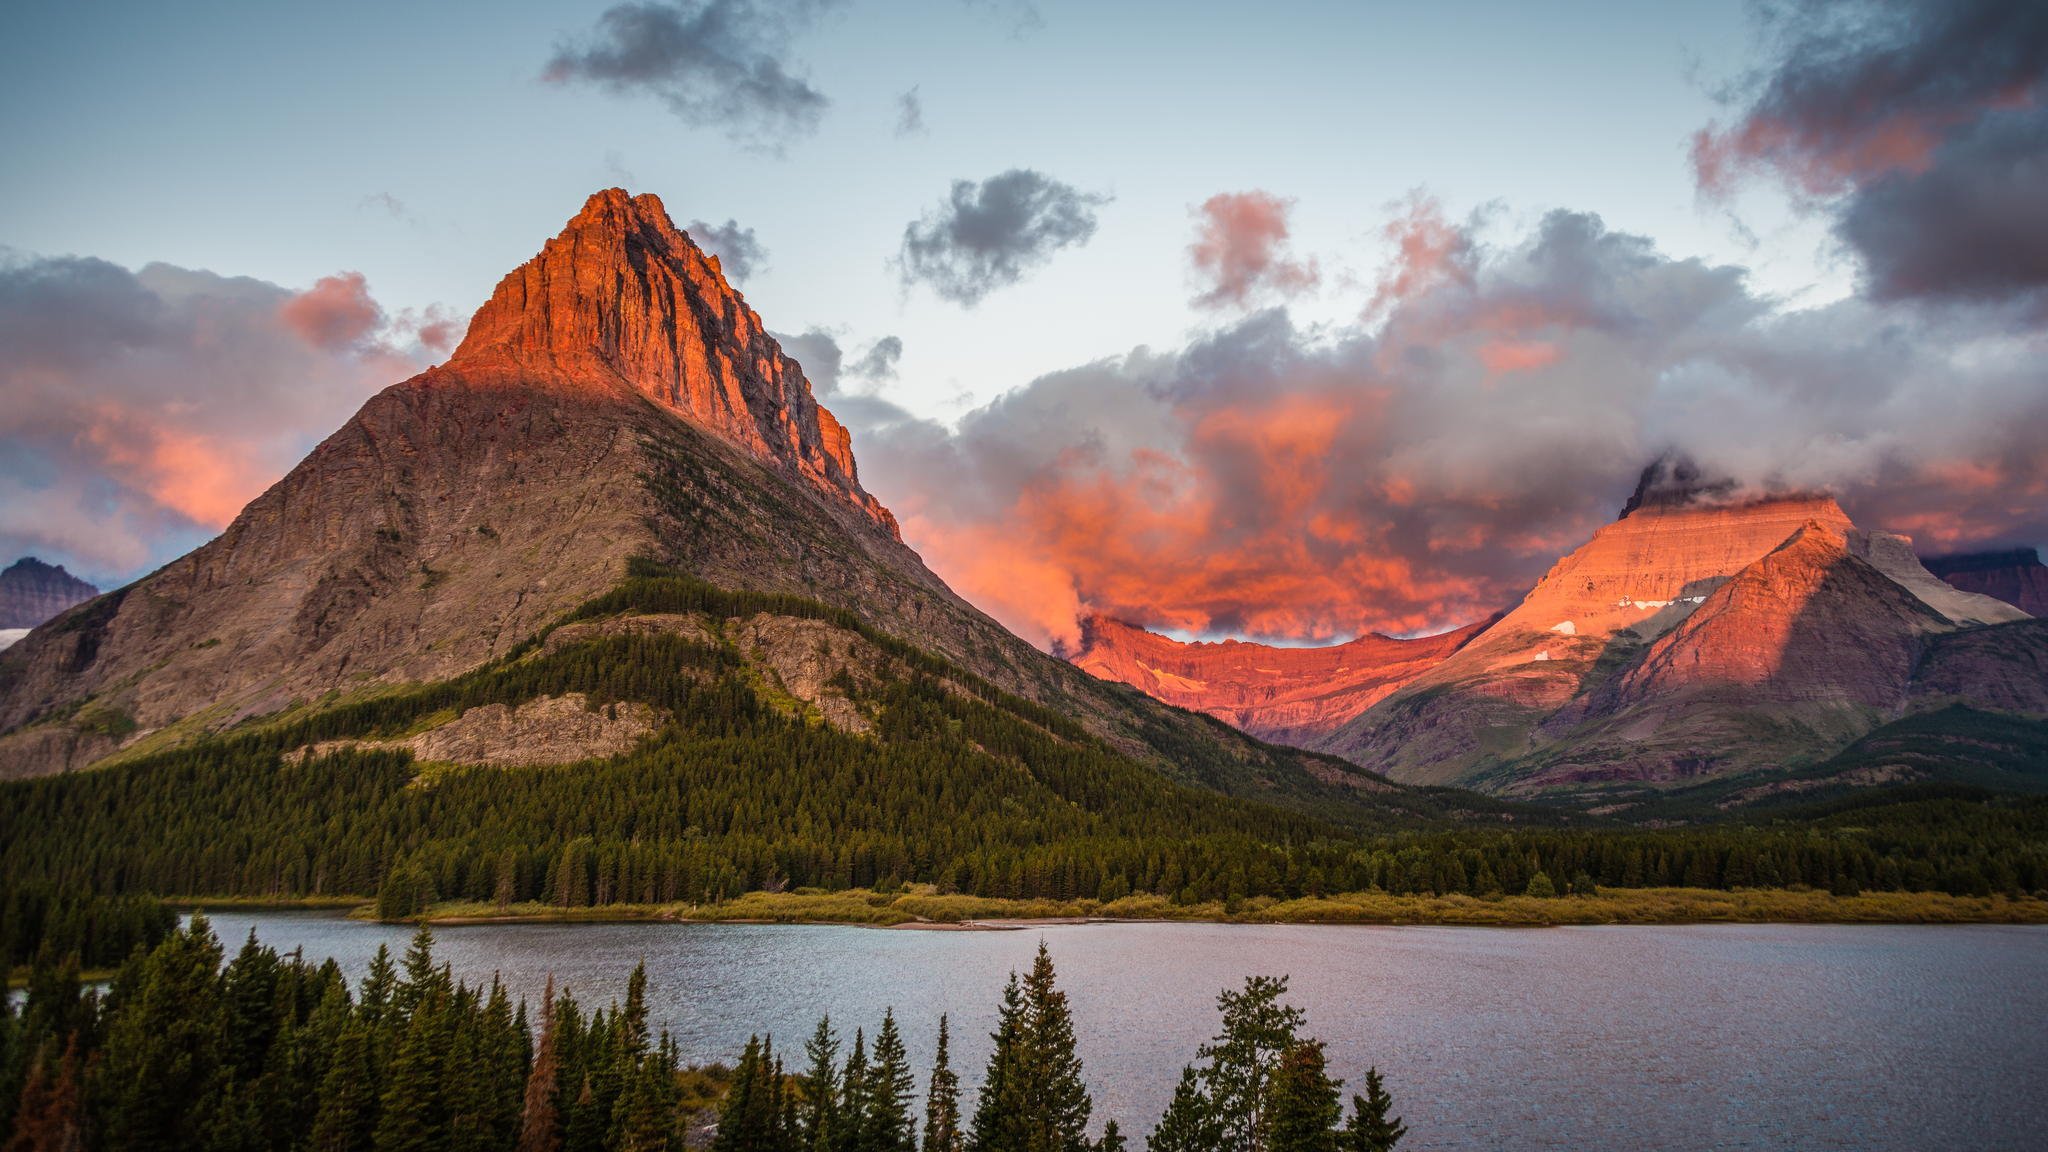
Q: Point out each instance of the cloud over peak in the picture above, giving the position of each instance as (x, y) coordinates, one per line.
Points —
(715, 63)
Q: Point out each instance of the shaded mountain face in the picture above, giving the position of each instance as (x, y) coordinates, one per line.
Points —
(32, 592)
(1287, 695)
(1685, 642)
(615, 400)
(2015, 576)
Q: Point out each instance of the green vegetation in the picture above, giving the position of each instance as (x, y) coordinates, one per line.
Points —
(957, 787)
(269, 1051)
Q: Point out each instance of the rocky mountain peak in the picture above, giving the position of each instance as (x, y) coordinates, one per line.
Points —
(32, 591)
(2014, 575)
(622, 299)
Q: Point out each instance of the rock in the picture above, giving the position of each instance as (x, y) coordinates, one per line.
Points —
(32, 592)
(2015, 576)
(1287, 695)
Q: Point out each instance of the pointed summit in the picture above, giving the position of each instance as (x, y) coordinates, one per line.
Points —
(624, 300)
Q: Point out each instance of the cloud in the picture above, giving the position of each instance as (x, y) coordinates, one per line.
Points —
(1421, 468)
(880, 361)
(140, 410)
(910, 114)
(987, 236)
(334, 314)
(1920, 125)
(716, 64)
(1240, 250)
(739, 253)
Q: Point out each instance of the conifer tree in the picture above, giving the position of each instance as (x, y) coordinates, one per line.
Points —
(998, 1120)
(413, 1113)
(1302, 1108)
(162, 1065)
(751, 1119)
(820, 1085)
(1187, 1125)
(1034, 1099)
(539, 1122)
(1371, 1128)
(51, 1116)
(1112, 1139)
(942, 1099)
(886, 1125)
(347, 1115)
(853, 1097)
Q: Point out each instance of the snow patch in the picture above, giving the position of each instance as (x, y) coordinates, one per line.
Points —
(9, 635)
(1566, 628)
(1543, 655)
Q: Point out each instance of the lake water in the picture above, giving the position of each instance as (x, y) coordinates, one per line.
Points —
(1754, 1037)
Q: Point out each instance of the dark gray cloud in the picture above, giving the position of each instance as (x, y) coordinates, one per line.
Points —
(720, 64)
(140, 410)
(1919, 123)
(1272, 480)
(739, 252)
(987, 236)
(880, 362)
(910, 113)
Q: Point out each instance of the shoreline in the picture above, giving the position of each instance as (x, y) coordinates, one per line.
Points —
(927, 911)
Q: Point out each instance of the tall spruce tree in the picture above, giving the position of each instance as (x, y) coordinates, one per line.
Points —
(1187, 1125)
(886, 1125)
(540, 1126)
(1371, 1128)
(1302, 1108)
(163, 1046)
(347, 1117)
(1035, 1099)
(998, 1119)
(942, 1099)
(853, 1097)
(819, 1116)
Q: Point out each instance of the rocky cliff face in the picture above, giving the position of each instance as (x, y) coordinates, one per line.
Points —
(2015, 576)
(614, 399)
(1682, 641)
(1287, 695)
(32, 592)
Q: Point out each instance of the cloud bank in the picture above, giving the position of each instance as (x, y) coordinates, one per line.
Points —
(740, 253)
(140, 410)
(1419, 470)
(987, 236)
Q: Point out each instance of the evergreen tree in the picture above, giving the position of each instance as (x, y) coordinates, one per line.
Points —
(347, 1115)
(1112, 1139)
(413, 1114)
(51, 1115)
(539, 1122)
(942, 1099)
(1371, 1129)
(1035, 1099)
(1187, 1125)
(853, 1098)
(163, 1046)
(886, 1124)
(1302, 1107)
(820, 1086)
(644, 1116)
(753, 1115)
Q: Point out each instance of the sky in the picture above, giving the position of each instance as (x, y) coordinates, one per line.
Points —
(1287, 322)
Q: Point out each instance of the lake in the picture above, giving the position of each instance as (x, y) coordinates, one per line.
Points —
(1724, 1036)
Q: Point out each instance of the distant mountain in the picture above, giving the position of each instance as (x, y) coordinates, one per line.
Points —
(614, 403)
(1688, 641)
(1287, 695)
(32, 592)
(2015, 576)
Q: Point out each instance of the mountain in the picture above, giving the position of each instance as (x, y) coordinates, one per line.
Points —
(32, 592)
(1286, 695)
(2015, 576)
(615, 408)
(1693, 638)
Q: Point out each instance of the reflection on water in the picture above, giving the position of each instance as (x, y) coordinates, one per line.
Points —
(1778, 1036)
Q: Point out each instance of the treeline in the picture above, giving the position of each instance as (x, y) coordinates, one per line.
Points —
(39, 920)
(274, 1052)
(971, 791)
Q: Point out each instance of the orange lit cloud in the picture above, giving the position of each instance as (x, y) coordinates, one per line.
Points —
(1422, 469)
(1239, 252)
(153, 405)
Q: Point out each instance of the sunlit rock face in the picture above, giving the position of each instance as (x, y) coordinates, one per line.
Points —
(2015, 576)
(1685, 640)
(1287, 695)
(623, 298)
